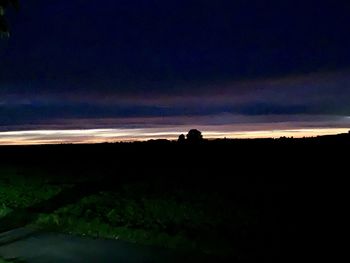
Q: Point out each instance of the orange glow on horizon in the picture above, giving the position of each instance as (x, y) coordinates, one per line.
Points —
(124, 135)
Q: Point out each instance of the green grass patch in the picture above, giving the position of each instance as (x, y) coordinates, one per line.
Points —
(21, 189)
(178, 220)
(10, 261)
(149, 213)
(4, 210)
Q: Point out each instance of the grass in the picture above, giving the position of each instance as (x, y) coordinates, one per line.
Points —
(10, 261)
(142, 213)
(4, 210)
(172, 220)
(23, 189)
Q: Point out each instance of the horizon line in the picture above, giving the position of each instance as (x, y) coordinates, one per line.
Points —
(94, 136)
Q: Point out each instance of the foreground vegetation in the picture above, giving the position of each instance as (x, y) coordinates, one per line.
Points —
(10, 261)
(227, 198)
(175, 220)
(139, 212)
(24, 188)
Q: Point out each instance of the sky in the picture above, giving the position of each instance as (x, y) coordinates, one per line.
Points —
(92, 71)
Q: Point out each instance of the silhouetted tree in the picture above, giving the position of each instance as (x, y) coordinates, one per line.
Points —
(181, 138)
(194, 136)
(4, 4)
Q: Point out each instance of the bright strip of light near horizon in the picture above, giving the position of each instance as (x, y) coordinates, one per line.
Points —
(117, 135)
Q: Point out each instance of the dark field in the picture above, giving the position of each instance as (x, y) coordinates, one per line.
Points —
(228, 199)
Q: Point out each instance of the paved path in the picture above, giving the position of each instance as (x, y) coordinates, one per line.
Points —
(30, 246)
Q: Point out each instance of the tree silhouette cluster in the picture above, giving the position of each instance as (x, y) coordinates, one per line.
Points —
(4, 4)
(193, 136)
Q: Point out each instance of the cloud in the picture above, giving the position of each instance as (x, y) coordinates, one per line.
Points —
(115, 135)
(312, 94)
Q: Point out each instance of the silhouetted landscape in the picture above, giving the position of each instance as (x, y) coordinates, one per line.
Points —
(173, 131)
(225, 199)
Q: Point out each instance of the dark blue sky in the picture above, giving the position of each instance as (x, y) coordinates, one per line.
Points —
(73, 60)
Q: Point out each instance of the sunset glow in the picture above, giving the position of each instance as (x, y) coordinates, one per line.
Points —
(123, 135)
(228, 69)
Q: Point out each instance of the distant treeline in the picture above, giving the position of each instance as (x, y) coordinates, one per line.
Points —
(218, 154)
